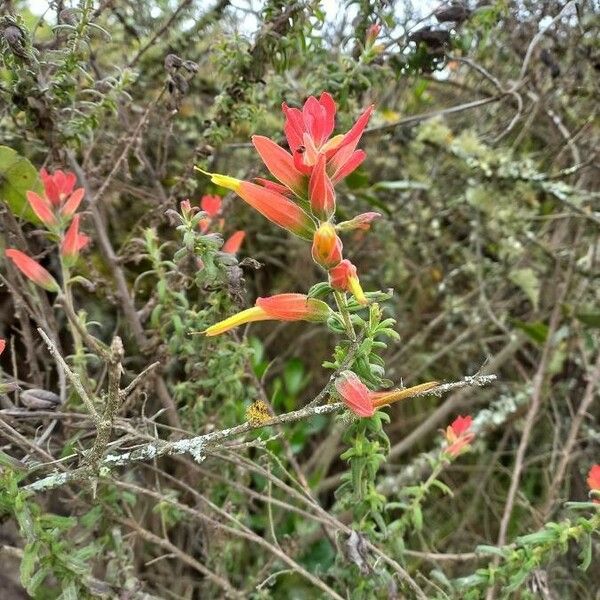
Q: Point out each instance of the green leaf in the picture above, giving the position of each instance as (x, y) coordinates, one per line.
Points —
(586, 553)
(28, 564)
(537, 331)
(589, 319)
(17, 176)
(293, 376)
(528, 281)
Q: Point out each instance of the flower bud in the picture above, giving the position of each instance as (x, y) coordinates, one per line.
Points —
(343, 278)
(327, 246)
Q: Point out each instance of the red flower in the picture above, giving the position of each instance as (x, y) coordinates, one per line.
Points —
(281, 307)
(355, 394)
(274, 206)
(327, 246)
(32, 270)
(211, 204)
(308, 130)
(593, 481)
(73, 242)
(321, 192)
(60, 198)
(232, 245)
(372, 32)
(58, 186)
(343, 277)
(2, 345)
(458, 435)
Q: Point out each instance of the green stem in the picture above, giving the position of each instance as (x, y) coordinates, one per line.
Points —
(340, 300)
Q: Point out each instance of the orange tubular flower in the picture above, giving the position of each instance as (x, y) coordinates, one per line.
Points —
(327, 246)
(355, 394)
(593, 481)
(320, 191)
(32, 270)
(73, 242)
(272, 205)
(343, 278)
(281, 307)
(458, 436)
(232, 245)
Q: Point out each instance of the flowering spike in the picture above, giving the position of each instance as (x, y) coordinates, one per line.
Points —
(372, 33)
(281, 307)
(42, 208)
(232, 245)
(280, 163)
(355, 394)
(458, 436)
(343, 277)
(73, 242)
(32, 270)
(320, 191)
(272, 205)
(327, 246)
(593, 481)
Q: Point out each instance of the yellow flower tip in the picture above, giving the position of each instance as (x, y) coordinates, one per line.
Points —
(246, 316)
(357, 291)
(231, 183)
(396, 395)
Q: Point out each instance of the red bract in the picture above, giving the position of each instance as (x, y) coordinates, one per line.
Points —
(73, 242)
(593, 481)
(211, 204)
(58, 185)
(355, 394)
(274, 206)
(32, 270)
(232, 245)
(308, 130)
(2, 345)
(458, 435)
(281, 307)
(343, 277)
(280, 163)
(320, 191)
(327, 246)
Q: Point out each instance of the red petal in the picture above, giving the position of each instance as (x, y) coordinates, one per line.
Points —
(232, 245)
(280, 163)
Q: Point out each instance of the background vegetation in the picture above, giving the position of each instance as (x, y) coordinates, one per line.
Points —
(482, 156)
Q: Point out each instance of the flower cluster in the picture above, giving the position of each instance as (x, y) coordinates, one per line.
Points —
(302, 200)
(56, 209)
(459, 436)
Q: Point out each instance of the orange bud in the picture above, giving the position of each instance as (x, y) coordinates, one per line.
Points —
(327, 246)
